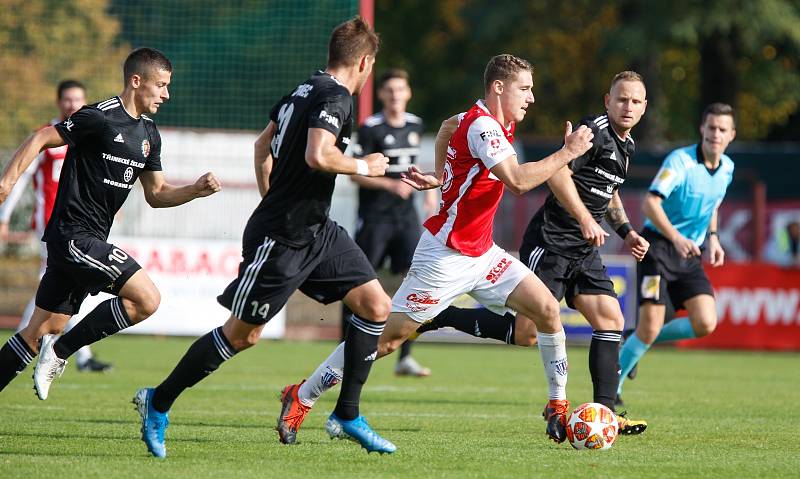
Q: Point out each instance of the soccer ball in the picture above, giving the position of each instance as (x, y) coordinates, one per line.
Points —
(592, 426)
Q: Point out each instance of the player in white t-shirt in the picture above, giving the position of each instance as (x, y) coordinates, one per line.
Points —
(456, 254)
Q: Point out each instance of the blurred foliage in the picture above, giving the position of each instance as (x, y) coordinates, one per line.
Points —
(45, 41)
(743, 52)
(233, 59)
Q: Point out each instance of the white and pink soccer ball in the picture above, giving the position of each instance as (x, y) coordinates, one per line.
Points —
(592, 426)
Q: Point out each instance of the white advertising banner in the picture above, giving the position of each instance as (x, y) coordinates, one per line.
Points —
(189, 274)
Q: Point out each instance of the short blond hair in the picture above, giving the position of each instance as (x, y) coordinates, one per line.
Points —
(504, 67)
(627, 75)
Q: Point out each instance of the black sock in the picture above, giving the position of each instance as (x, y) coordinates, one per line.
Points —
(15, 356)
(346, 313)
(109, 317)
(202, 358)
(478, 322)
(405, 350)
(360, 351)
(604, 366)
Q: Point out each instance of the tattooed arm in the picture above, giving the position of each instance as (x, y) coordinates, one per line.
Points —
(618, 220)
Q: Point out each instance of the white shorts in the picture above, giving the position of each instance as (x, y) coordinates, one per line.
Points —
(439, 275)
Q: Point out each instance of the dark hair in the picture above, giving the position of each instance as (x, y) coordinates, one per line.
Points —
(66, 85)
(143, 60)
(719, 109)
(391, 74)
(351, 40)
(627, 75)
(504, 67)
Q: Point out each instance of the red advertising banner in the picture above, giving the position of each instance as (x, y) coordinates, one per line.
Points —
(758, 307)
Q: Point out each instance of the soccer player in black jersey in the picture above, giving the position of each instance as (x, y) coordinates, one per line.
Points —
(111, 145)
(561, 241)
(388, 224)
(290, 243)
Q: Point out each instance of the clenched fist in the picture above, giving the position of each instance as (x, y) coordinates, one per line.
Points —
(207, 185)
(579, 141)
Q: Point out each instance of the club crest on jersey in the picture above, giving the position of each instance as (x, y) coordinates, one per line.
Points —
(447, 177)
(145, 148)
(128, 173)
(413, 138)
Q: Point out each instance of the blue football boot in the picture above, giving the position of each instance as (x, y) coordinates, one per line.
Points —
(154, 423)
(358, 430)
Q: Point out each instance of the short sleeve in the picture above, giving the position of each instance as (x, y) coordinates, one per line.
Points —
(153, 162)
(597, 144)
(331, 112)
(488, 142)
(366, 141)
(82, 124)
(670, 175)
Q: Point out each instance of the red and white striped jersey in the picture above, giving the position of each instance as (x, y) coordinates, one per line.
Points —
(470, 192)
(45, 172)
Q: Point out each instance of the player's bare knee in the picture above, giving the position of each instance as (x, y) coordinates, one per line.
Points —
(525, 338)
(148, 304)
(240, 343)
(704, 325)
(378, 309)
(549, 312)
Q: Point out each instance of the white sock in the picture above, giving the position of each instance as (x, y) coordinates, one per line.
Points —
(327, 375)
(553, 349)
(27, 314)
(83, 354)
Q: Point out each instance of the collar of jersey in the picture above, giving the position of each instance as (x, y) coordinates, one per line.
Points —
(482, 105)
(702, 160)
(323, 72)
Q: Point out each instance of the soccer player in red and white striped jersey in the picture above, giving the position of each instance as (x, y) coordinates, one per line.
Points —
(456, 254)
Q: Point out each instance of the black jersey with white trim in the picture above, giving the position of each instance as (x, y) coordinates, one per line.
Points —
(298, 201)
(108, 150)
(597, 174)
(401, 144)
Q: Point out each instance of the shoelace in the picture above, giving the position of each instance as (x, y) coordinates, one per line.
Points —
(294, 419)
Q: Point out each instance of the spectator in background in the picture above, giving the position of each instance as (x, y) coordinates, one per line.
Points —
(388, 224)
(784, 248)
(45, 171)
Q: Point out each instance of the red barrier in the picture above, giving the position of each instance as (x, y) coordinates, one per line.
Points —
(758, 307)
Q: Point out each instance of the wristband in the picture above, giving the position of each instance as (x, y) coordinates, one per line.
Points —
(624, 229)
(712, 233)
(362, 168)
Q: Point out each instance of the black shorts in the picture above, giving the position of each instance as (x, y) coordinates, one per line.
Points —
(568, 277)
(664, 272)
(395, 240)
(325, 270)
(80, 267)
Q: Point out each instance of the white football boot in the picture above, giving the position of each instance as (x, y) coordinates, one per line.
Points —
(48, 366)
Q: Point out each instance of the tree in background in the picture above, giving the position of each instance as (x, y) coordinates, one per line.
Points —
(45, 41)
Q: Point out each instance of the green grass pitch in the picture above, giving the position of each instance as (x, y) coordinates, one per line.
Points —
(711, 414)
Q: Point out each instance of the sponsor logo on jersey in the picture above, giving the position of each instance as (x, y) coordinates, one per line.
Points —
(303, 90)
(68, 124)
(389, 139)
(145, 148)
(496, 272)
(128, 173)
(372, 357)
(118, 138)
(329, 118)
(485, 135)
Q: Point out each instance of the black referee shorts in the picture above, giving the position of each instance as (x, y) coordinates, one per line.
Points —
(79, 267)
(568, 277)
(664, 272)
(325, 270)
(393, 239)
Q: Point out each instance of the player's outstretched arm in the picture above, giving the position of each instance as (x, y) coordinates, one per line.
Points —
(262, 157)
(160, 194)
(715, 251)
(322, 154)
(443, 136)
(522, 178)
(616, 217)
(654, 211)
(47, 137)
